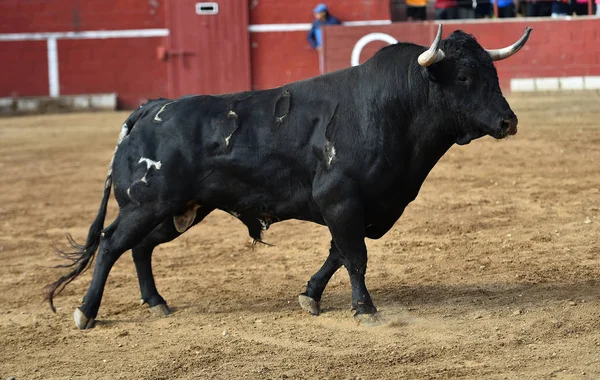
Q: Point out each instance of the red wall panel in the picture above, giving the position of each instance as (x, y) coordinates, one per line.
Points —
(279, 58)
(26, 16)
(87, 66)
(556, 48)
(127, 66)
(24, 68)
(130, 68)
(296, 11)
(282, 57)
(216, 47)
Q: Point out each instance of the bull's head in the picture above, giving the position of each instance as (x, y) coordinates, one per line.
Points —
(463, 73)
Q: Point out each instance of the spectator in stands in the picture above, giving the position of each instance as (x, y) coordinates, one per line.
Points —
(315, 37)
(538, 8)
(506, 8)
(465, 9)
(560, 8)
(416, 10)
(580, 7)
(483, 9)
(598, 8)
(446, 9)
(322, 17)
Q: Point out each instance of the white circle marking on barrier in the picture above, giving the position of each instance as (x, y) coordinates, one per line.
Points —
(364, 40)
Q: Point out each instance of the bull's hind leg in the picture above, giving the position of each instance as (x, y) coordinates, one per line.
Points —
(131, 226)
(310, 300)
(142, 257)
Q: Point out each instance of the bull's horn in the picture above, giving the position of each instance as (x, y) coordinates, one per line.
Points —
(434, 54)
(500, 54)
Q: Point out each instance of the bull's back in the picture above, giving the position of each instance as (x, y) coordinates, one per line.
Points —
(261, 153)
(252, 152)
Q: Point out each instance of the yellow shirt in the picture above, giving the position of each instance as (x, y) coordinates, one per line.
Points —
(416, 3)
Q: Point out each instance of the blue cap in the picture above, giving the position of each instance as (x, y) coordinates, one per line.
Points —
(320, 8)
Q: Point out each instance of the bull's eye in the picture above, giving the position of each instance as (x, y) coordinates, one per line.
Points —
(463, 78)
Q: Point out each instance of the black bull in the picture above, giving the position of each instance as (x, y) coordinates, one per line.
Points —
(349, 150)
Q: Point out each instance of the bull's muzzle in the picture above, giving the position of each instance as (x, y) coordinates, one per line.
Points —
(509, 126)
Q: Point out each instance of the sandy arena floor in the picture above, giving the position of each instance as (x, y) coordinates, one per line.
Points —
(493, 272)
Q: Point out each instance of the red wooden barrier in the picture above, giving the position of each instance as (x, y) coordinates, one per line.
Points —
(556, 48)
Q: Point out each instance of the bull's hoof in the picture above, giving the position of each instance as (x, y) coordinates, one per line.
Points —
(160, 310)
(83, 322)
(369, 320)
(309, 304)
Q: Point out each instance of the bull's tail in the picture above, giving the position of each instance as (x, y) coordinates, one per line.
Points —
(81, 256)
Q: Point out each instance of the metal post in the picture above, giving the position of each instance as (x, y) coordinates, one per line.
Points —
(495, 8)
(53, 80)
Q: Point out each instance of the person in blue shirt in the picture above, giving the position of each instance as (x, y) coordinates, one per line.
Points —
(561, 8)
(322, 17)
(506, 8)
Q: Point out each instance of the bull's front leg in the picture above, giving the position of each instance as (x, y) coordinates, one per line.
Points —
(345, 219)
(354, 258)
